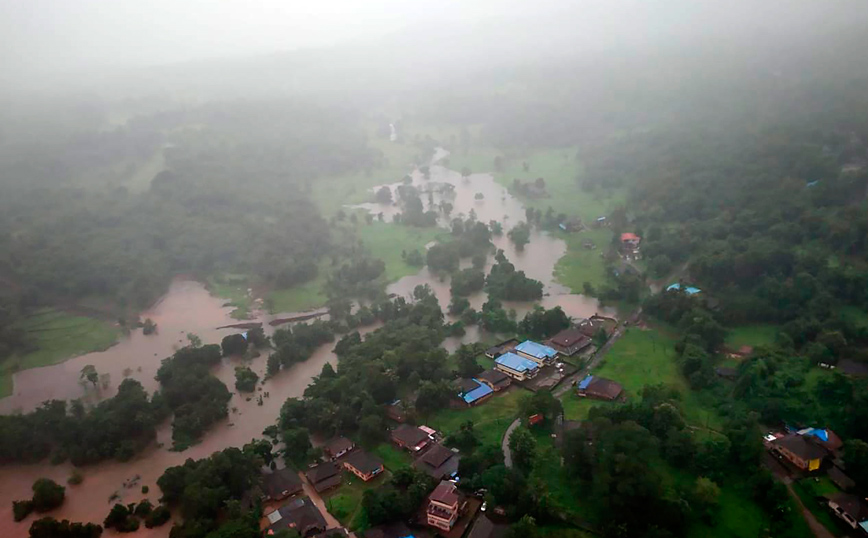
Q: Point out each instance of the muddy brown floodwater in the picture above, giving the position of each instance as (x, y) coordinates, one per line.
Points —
(189, 308)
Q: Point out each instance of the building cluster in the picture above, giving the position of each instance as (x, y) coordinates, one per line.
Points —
(811, 451)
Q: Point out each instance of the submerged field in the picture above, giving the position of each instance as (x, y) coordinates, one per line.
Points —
(58, 336)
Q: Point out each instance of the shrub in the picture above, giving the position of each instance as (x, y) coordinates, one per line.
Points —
(47, 495)
(158, 516)
(21, 509)
(75, 478)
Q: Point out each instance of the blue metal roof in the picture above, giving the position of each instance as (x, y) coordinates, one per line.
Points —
(514, 362)
(689, 290)
(480, 391)
(536, 350)
(583, 384)
(822, 435)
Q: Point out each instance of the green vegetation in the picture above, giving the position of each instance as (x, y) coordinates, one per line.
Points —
(393, 458)
(580, 265)
(345, 503)
(490, 420)
(809, 491)
(751, 335)
(389, 242)
(57, 336)
(301, 297)
(234, 289)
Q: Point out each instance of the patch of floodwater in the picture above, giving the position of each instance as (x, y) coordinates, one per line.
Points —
(187, 307)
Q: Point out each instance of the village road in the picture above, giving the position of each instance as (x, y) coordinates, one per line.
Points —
(507, 455)
(331, 521)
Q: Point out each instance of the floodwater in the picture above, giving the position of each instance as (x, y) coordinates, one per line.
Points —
(488, 200)
(189, 308)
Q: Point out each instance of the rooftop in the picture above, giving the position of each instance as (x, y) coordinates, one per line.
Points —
(482, 390)
(282, 480)
(514, 362)
(569, 337)
(534, 349)
(689, 290)
(338, 445)
(628, 236)
(409, 435)
(600, 387)
(800, 446)
(444, 493)
(436, 456)
(323, 471)
(299, 514)
(495, 377)
(364, 462)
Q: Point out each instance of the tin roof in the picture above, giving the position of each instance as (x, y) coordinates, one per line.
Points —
(480, 391)
(514, 362)
(536, 350)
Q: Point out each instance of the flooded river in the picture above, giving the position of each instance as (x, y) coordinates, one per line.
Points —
(189, 308)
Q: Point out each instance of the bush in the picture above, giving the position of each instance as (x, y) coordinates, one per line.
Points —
(75, 478)
(158, 516)
(144, 508)
(245, 379)
(21, 509)
(145, 490)
(47, 495)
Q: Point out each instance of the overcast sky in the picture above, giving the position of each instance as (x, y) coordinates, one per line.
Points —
(40, 35)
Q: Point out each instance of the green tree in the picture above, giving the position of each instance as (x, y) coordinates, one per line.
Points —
(705, 498)
(522, 447)
(89, 373)
(520, 235)
(47, 495)
(245, 379)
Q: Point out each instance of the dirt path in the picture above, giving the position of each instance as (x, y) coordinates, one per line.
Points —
(504, 444)
(816, 527)
(331, 521)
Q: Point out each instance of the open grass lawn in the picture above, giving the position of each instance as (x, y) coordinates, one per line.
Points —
(233, 288)
(808, 489)
(577, 408)
(387, 242)
(58, 336)
(580, 265)
(751, 335)
(855, 315)
(345, 503)
(305, 296)
(564, 490)
(393, 458)
(490, 419)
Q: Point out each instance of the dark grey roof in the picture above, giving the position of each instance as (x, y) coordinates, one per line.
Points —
(495, 377)
(409, 435)
(437, 455)
(300, 515)
(338, 445)
(281, 482)
(323, 471)
(601, 387)
(485, 528)
(801, 447)
(364, 462)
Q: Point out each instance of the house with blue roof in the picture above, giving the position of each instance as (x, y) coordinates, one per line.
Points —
(516, 366)
(473, 391)
(689, 290)
(540, 354)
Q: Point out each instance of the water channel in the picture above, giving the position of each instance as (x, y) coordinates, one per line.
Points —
(188, 307)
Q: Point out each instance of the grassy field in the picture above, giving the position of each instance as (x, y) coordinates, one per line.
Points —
(59, 336)
(393, 458)
(345, 503)
(580, 265)
(490, 419)
(808, 489)
(388, 241)
(233, 288)
(751, 335)
(299, 298)
(638, 359)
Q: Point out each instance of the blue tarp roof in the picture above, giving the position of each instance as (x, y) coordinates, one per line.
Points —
(689, 290)
(583, 384)
(822, 435)
(514, 362)
(480, 391)
(244, 334)
(536, 350)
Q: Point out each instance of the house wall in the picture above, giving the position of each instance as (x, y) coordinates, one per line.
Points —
(360, 474)
(518, 376)
(847, 518)
(805, 465)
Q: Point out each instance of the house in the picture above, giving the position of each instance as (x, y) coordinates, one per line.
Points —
(444, 506)
(324, 476)
(495, 379)
(542, 355)
(365, 466)
(850, 508)
(598, 387)
(280, 484)
(300, 515)
(410, 438)
(826, 438)
(339, 532)
(497, 350)
(801, 452)
(853, 368)
(630, 242)
(473, 391)
(397, 411)
(389, 530)
(569, 341)
(337, 448)
(689, 290)
(439, 462)
(485, 528)
(518, 368)
(841, 480)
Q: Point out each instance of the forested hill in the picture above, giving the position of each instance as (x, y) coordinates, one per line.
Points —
(228, 193)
